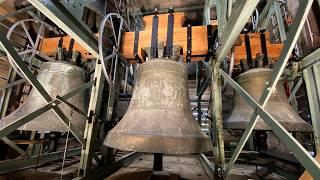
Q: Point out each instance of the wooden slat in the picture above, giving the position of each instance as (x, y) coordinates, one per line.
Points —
(199, 40)
(274, 50)
(199, 36)
(48, 46)
(163, 21)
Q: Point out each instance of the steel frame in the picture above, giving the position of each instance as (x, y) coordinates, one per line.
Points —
(234, 25)
(298, 150)
(243, 10)
(311, 78)
(272, 7)
(233, 29)
(80, 33)
(51, 104)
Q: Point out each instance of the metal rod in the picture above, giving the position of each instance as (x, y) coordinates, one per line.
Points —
(284, 56)
(295, 89)
(198, 79)
(9, 85)
(298, 150)
(74, 108)
(90, 130)
(248, 50)
(314, 104)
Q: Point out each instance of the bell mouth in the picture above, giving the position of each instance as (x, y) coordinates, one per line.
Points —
(159, 144)
(261, 125)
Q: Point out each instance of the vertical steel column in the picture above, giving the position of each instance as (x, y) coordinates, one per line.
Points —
(270, 86)
(222, 10)
(217, 110)
(93, 113)
(239, 15)
(313, 87)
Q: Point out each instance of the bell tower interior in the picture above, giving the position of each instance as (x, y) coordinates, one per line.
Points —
(159, 89)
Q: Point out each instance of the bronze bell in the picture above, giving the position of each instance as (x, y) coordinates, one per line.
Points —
(99, 6)
(254, 81)
(159, 117)
(58, 78)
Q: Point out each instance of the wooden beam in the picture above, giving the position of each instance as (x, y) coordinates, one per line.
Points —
(199, 42)
(48, 46)
(274, 50)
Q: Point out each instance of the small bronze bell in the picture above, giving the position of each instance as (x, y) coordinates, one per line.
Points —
(159, 117)
(254, 81)
(58, 78)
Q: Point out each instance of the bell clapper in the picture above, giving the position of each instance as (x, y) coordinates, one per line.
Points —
(157, 162)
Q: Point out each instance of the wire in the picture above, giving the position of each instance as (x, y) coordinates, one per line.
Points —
(66, 145)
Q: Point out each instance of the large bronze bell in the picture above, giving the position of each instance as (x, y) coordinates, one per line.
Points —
(254, 82)
(99, 6)
(58, 78)
(159, 117)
